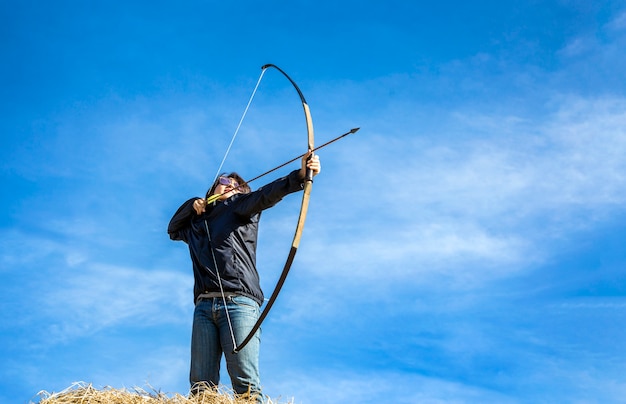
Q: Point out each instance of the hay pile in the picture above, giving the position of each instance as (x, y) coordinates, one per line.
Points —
(85, 393)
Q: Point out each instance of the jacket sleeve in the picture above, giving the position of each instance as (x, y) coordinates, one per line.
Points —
(181, 220)
(269, 195)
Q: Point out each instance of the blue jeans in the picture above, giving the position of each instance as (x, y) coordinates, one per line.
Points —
(210, 338)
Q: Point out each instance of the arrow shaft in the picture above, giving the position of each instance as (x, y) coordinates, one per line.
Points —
(302, 155)
(351, 131)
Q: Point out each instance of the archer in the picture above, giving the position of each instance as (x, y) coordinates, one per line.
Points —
(222, 239)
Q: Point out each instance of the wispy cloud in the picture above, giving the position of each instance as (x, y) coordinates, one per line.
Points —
(441, 247)
(482, 198)
(348, 385)
(91, 297)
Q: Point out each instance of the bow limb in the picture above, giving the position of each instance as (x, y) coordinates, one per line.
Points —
(304, 207)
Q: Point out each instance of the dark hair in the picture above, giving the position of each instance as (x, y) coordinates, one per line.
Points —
(244, 188)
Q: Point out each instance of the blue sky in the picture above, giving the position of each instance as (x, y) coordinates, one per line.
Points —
(467, 245)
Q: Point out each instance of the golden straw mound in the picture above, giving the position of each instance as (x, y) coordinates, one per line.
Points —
(85, 393)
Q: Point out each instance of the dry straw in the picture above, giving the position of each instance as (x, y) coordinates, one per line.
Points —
(85, 393)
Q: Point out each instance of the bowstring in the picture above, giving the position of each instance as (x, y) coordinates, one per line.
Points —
(245, 111)
(219, 170)
(219, 281)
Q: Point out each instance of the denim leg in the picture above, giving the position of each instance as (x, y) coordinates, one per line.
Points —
(206, 350)
(243, 367)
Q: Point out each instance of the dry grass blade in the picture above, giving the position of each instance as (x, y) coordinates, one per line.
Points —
(85, 393)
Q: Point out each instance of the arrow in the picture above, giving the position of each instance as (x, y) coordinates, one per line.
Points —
(215, 197)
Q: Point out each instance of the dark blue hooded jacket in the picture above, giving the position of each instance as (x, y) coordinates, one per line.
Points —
(233, 228)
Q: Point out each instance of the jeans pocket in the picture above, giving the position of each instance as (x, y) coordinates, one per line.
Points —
(244, 302)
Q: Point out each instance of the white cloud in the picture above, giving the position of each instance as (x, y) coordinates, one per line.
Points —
(351, 386)
(85, 300)
(19, 249)
(498, 198)
(579, 47)
(618, 23)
